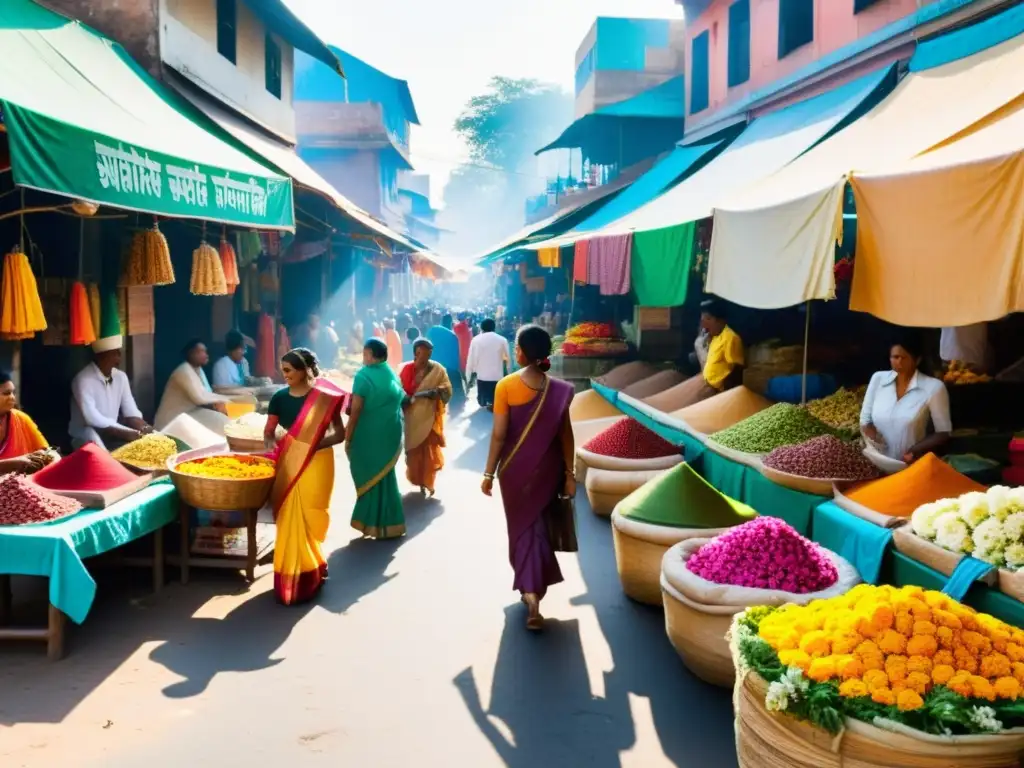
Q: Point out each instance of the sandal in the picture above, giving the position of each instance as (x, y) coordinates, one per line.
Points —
(534, 621)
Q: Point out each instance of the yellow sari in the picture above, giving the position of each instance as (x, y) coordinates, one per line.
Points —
(424, 424)
(301, 497)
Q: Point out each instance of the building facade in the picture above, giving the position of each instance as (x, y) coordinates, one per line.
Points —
(746, 57)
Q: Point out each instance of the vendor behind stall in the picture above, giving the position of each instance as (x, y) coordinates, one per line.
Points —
(103, 410)
(22, 446)
(188, 391)
(725, 355)
(902, 404)
(232, 372)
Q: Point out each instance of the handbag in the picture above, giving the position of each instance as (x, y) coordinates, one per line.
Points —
(560, 520)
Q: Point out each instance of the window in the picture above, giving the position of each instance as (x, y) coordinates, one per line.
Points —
(273, 65)
(227, 26)
(739, 42)
(796, 25)
(699, 73)
(860, 5)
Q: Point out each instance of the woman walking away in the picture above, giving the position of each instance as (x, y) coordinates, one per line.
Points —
(373, 442)
(427, 390)
(532, 454)
(308, 407)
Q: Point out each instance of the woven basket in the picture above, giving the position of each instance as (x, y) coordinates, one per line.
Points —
(813, 485)
(219, 494)
(244, 445)
(606, 487)
(776, 740)
(699, 637)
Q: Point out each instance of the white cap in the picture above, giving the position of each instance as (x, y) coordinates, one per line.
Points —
(109, 344)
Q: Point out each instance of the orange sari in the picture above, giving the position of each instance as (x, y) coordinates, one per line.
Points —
(23, 436)
(424, 424)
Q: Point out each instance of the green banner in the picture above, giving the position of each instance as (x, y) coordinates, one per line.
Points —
(55, 156)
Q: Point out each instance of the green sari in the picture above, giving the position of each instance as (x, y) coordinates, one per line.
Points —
(375, 450)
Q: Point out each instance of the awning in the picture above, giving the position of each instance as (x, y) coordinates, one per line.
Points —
(278, 18)
(286, 159)
(788, 225)
(85, 121)
(940, 241)
(767, 144)
(626, 131)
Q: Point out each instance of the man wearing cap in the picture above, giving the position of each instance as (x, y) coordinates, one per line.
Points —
(103, 410)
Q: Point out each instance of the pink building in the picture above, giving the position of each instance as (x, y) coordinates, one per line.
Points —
(747, 57)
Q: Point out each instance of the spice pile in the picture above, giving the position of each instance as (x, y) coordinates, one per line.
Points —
(910, 656)
(592, 339)
(765, 553)
(840, 410)
(988, 526)
(782, 424)
(235, 467)
(90, 468)
(960, 373)
(629, 439)
(825, 457)
(22, 502)
(723, 410)
(926, 480)
(148, 452)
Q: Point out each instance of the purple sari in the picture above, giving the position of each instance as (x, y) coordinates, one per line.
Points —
(531, 475)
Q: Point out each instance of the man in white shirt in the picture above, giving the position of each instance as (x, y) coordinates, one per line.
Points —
(231, 372)
(103, 410)
(488, 358)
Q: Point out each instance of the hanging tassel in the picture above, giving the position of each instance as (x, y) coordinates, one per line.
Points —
(207, 271)
(94, 305)
(230, 265)
(83, 332)
(21, 309)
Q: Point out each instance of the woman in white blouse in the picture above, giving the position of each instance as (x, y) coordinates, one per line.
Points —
(906, 413)
(188, 391)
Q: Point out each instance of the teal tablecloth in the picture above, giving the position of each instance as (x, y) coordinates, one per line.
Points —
(861, 543)
(56, 549)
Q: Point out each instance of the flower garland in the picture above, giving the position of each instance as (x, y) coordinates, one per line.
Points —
(905, 655)
(988, 526)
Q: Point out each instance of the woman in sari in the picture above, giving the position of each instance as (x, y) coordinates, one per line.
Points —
(532, 455)
(22, 446)
(373, 442)
(394, 342)
(427, 391)
(308, 407)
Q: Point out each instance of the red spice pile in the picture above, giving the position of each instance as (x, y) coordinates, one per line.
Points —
(629, 439)
(90, 468)
(21, 502)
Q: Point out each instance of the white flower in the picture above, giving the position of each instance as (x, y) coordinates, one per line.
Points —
(1015, 498)
(974, 508)
(924, 517)
(1013, 527)
(985, 719)
(786, 689)
(999, 501)
(795, 677)
(952, 533)
(777, 698)
(1014, 555)
(989, 539)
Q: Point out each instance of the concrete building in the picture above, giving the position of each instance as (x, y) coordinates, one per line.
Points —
(749, 57)
(414, 203)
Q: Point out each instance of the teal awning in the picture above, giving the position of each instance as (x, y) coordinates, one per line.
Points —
(85, 121)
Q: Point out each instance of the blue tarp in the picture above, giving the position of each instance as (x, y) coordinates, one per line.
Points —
(662, 176)
(961, 43)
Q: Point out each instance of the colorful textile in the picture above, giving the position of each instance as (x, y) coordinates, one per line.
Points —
(661, 265)
(580, 261)
(302, 495)
(861, 543)
(549, 258)
(56, 550)
(531, 475)
(374, 451)
(23, 436)
(446, 347)
(394, 342)
(465, 337)
(424, 423)
(266, 352)
(609, 264)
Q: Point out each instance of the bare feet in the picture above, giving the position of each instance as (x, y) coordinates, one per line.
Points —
(534, 621)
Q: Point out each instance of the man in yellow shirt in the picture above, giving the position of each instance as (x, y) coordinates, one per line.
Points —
(725, 352)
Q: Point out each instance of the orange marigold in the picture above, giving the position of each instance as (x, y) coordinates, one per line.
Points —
(788, 640)
(995, 665)
(943, 657)
(924, 628)
(1015, 651)
(904, 623)
(873, 660)
(1018, 671)
(883, 616)
(795, 658)
(846, 643)
(876, 678)
(946, 638)
(942, 674)
(849, 667)
(982, 688)
(967, 663)
(891, 641)
(821, 669)
(908, 700)
(946, 619)
(919, 664)
(922, 645)
(883, 696)
(815, 643)
(896, 668)
(961, 683)
(1008, 688)
(853, 689)
(976, 641)
(919, 682)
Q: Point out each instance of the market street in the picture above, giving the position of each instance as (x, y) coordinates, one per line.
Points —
(414, 654)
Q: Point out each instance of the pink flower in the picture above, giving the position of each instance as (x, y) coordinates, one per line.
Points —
(765, 553)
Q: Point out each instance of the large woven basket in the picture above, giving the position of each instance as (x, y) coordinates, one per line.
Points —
(699, 637)
(218, 494)
(776, 740)
(244, 445)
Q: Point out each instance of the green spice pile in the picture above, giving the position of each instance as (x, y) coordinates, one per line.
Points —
(782, 424)
(840, 411)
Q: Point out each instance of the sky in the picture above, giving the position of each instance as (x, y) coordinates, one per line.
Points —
(449, 49)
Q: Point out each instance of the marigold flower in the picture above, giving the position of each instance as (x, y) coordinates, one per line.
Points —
(904, 623)
(1018, 671)
(843, 644)
(876, 678)
(849, 667)
(909, 700)
(868, 628)
(896, 668)
(924, 628)
(815, 643)
(919, 664)
(943, 657)
(822, 669)
(995, 665)
(961, 683)
(946, 638)
(892, 641)
(787, 641)
(883, 616)
(942, 674)
(966, 663)
(919, 609)
(919, 682)
(922, 645)
(852, 689)
(982, 688)
(936, 600)
(947, 619)
(867, 647)
(1015, 651)
(976, 641)
(883, 696)
(873, 660)
(795, 658)
(1007, 688)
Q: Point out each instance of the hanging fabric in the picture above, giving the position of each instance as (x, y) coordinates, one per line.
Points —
(229, 263)
(549, 258)
(661, 265)
(580, 261)
(609, 264)
(21, 309)
(266, 350)
(83, 332)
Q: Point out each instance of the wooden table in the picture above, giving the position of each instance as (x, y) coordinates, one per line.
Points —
(184, 560)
